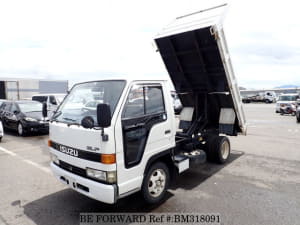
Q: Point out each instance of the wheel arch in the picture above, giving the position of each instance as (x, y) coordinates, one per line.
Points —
(165, 157)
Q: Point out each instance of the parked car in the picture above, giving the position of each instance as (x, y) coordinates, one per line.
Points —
(246, 98)
(298, 115)
(286, 100)
(267, 97)
(270, 97)
(298, 111)
(52, 100)
(23, 117)
(1, 101)
(1, 131)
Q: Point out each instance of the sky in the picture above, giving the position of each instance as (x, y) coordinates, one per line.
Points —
(82, 40)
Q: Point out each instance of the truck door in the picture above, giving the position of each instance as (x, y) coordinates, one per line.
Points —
(146, 128)
(144, 108)
(6, 114)
(12, 116)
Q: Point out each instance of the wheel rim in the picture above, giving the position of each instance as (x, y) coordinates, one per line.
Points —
(225, 149)
(157, 182)
(20, 129)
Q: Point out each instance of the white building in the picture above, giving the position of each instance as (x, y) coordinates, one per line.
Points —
(19, 88)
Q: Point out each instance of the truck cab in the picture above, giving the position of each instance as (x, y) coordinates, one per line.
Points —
(287, 100)
(131, 139)
(142, 125)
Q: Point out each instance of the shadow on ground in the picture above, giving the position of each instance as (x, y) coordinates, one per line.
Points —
(64, 207)
(195, 176)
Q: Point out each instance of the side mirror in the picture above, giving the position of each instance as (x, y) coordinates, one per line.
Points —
(45, 110)
(16, 112)
(53, 102)
(103, 115)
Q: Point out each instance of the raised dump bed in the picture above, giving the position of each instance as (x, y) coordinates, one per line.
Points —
(194, 51)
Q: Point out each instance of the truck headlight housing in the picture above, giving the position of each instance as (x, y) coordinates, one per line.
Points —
(29, 119)
(107, 176)
(54, 158)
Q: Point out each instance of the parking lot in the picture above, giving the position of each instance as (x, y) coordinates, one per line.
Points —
(260, 184)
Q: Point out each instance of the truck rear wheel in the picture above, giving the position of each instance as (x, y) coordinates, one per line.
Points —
(156, 182)
(219, 149)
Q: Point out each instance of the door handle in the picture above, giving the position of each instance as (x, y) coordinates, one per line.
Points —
(167, 131)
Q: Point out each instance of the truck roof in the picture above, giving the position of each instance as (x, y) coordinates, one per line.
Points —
(194, 51)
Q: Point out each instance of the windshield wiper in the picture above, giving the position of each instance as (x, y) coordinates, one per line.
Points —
(34, 111)
(68, 119)
(70, 124)
(56, 114)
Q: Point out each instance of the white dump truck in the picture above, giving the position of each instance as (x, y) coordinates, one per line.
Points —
(131, 140)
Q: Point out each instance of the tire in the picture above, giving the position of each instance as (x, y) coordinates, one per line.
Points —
(298, 119)
(153, 194)
(219, 149)
(0, 139)
(20, 130)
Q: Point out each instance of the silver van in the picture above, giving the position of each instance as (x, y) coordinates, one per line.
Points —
(52, 100)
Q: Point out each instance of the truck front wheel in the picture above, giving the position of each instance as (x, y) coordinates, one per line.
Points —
(219, 149)
(156, 182)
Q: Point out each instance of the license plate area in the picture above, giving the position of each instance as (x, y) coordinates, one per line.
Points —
(69, 181)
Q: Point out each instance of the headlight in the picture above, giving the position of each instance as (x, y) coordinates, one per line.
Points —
(30, 119)
(54, 158)
(108, 176)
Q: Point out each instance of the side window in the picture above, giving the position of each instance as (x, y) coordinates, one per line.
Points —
(2, 107)
(14, 108)
(144, 100)
(154, 100)
(135, 103)
(7, 107)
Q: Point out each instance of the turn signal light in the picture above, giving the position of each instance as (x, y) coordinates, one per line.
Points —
(108, 158)
(49, 143)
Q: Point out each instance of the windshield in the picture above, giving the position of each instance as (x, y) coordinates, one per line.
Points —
(60, 98)
(288, 98)
(30, 107)
(84, 98)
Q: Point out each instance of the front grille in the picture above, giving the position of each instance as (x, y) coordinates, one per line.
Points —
(73, 169)
(76, 170)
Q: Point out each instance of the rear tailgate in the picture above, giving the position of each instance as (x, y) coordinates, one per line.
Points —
(194, 51)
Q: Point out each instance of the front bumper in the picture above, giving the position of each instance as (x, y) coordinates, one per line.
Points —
(101, 192)
(36, 126)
